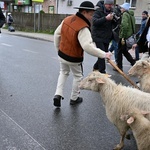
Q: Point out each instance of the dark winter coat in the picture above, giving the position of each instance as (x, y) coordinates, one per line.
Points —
(142, 42)
(101, 28)
(2, 18)
(142, 27)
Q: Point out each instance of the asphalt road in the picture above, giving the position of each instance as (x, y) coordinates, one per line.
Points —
(28, 120)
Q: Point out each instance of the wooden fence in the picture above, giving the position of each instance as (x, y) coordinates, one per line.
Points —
(41, 22)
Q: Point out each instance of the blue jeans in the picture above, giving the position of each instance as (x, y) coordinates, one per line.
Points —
(137, 53)
(100, 63)
(114, 47)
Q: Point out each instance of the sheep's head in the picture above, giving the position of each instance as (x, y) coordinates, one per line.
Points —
(140, 68)
(133, 116)
(92, 81)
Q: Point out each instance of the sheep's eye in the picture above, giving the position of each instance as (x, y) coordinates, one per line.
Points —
(138, 67)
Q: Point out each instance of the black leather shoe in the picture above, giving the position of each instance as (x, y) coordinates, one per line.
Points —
(77, 101)
(57, 100)
(134, 61)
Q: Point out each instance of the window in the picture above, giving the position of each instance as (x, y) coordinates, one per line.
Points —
(132, 2)
(51, 9)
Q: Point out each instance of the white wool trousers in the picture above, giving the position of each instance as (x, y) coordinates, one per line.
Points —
(77, 71)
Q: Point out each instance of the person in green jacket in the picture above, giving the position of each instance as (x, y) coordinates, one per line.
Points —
(127, 28)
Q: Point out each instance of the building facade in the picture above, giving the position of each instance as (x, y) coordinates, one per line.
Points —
(137, 5)
(66, 6)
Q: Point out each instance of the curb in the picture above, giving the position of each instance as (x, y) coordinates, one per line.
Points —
(38, 36)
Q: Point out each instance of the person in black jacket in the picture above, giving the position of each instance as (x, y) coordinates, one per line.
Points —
(138, 34)
(144, 41)
(2, 19)
(102, 24)
(10, 19)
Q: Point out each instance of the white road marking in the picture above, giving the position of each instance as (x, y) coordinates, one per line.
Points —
(29, 51)
(5, 44)
(22, 129)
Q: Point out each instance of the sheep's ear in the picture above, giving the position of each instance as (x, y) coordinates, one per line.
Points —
(99, 80)
(145, 64)
(130, 120)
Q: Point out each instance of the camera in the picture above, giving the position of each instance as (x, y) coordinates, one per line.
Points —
(115, 17)
(116, 13)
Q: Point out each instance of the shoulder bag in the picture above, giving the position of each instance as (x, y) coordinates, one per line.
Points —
(115, 33)
(132, 39)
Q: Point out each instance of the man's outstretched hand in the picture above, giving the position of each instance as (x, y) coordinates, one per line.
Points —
(108, 55)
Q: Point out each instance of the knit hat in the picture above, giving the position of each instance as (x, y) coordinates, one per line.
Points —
(125, 6)
(145, 12)
(108, 1)
(87, 5)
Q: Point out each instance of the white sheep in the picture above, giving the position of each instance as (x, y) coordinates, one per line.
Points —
(117, 99)
(140, 127)
(141, 69)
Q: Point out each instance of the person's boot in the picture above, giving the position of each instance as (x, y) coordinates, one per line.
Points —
(77, 101)
(133, 62)
(57, 100)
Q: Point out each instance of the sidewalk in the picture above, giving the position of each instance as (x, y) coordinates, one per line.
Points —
(40, 36)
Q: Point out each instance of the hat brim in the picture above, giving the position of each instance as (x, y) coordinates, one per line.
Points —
(87, 8)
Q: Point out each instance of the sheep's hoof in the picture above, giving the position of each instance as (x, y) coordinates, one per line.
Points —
(118, 147)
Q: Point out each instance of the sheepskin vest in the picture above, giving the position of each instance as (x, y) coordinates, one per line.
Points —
(70, 48)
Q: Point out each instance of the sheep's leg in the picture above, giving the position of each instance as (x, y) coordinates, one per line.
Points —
(129, 135)
(121, 144)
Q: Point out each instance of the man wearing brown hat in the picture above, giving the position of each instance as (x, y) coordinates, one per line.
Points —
(71, 39)
(102, 30)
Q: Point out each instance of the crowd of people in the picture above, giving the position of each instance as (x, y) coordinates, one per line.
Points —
(110, 24)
